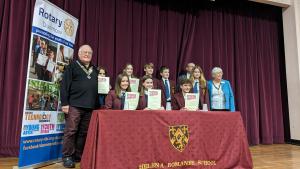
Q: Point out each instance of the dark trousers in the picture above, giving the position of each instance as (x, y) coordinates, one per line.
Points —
(39, 70)
(76, 127)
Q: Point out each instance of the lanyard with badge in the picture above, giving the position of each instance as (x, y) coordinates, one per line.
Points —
(88, 72)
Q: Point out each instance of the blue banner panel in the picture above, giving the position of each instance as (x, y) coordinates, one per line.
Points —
(33, 148)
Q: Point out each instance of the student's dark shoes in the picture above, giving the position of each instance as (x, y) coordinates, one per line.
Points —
(68, 162)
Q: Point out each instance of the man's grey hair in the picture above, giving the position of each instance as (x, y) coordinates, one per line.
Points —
(79, 50)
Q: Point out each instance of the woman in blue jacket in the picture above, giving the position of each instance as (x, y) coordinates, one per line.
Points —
(221, 97)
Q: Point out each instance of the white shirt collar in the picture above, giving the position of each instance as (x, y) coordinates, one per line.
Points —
(188, 75)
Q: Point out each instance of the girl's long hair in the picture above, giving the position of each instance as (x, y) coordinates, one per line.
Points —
(118, 84)
(142, 88)
(202, 80)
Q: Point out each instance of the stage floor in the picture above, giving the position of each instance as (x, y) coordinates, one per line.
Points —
(277, 156)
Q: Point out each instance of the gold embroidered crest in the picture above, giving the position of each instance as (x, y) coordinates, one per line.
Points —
(179, 136)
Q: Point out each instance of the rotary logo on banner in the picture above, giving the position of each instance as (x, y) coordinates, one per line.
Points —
(51, 49)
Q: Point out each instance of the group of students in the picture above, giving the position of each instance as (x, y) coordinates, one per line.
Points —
(216, 93)
(78, 93)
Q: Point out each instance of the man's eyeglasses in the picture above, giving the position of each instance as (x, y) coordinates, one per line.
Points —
(86, 52)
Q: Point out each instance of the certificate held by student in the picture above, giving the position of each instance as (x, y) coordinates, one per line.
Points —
(191, 101)
(131, 100)
(154, 99)
(134, 84)
(103, 85)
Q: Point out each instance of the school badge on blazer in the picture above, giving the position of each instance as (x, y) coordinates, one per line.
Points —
(69, 27)
(179, 136)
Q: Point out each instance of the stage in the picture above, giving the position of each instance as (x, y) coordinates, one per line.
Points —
(276, 156)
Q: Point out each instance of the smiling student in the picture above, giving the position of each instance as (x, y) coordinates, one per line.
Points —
(167, 87)
(178, 102)
(147, 83)
(149, 70)
(102, 73)
(128, 70)
(116, 98)
(199, 85)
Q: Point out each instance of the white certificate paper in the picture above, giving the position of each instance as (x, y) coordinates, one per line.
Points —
(134, 84)
(103, 85)
(154, 99)
(50, 66)
(131, 100)
(42, 60)
(191, 101)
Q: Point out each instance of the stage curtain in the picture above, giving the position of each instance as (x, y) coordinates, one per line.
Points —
(243, 38)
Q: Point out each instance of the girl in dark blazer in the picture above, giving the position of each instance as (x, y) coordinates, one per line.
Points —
(147, 83)
(128, 70)
(199, 85)
(178, 102)
(115, 98)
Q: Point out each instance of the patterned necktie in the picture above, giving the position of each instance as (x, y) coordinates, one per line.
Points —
(122, 101)
(167, 89)
(195, 89)
(146, 98)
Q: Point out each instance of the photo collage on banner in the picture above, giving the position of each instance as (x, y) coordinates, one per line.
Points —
(51, 50)
(48, 59)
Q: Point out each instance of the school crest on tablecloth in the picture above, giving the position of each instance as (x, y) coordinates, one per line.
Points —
(179, 136)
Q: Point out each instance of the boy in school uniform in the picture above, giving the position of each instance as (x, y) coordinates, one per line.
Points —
(178, 102)
(149, 70)
(167, 87)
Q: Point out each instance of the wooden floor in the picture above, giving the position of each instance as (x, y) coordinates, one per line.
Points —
(281, 156)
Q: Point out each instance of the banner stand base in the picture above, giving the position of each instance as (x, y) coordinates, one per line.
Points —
(40, 164)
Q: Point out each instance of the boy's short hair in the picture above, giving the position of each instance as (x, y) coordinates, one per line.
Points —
(186, 81)
(149, 65)
(162, 68)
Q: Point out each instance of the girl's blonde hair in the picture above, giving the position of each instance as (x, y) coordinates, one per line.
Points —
(202, 80)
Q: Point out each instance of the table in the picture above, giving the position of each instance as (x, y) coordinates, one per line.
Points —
(119, 139)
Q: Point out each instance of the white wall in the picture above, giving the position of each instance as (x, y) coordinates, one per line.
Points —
(291, 30)
(291, 26)
(281, 3)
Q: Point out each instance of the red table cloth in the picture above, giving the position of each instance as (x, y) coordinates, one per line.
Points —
(119, 139)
